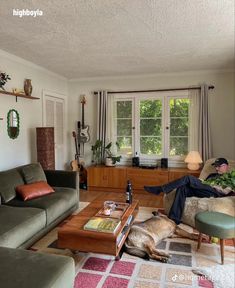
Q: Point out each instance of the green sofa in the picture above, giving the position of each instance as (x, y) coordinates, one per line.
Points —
(24, 222)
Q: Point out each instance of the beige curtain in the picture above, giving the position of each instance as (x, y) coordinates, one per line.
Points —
(200, 139)
(194, 96)
(204, 125)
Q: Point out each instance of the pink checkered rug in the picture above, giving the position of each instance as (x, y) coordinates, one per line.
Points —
(102, 271)
(96, 271)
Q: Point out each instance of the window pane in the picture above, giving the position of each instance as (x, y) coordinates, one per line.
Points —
(124, 127)
(150, 127)
(179, 126)
(150, 145)
(124, 109)
(150, 108)
(125, 144)
(178, 146)
(179, 107)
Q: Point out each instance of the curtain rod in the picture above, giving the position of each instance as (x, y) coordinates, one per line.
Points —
(156, 90)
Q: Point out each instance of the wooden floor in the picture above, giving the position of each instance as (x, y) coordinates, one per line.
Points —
(145, 199)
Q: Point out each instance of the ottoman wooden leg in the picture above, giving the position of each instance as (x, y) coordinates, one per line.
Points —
(222, 250)
(199, 241)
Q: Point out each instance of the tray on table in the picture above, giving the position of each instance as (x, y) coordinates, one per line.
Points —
(118, 212)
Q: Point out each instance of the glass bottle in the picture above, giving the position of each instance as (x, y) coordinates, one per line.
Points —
(129, 192)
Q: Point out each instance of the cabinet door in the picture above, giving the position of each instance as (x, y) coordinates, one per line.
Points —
(141, 177)
(180, 172)
(116, 177)
(111, 177)
(97, 176)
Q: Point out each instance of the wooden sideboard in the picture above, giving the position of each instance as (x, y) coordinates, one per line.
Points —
(114, 179)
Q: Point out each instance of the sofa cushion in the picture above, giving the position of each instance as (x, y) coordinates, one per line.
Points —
(34, 190)
(55, 204)
(28, 269)
(9, 180)
(17, 225)
(33, 173)
(193, 205)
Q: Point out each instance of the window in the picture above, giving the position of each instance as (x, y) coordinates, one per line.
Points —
(153, 126)
(150, 127)
(123, 126)
(179, 126)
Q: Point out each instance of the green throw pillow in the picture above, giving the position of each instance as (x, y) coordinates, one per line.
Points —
(33, 173)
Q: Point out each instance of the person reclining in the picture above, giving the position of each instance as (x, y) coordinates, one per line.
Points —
(189, 186)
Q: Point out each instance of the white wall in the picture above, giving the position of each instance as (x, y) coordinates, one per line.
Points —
(222, 103)
(22, 150)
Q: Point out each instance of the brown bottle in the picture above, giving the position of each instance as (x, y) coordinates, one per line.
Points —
(128, 192)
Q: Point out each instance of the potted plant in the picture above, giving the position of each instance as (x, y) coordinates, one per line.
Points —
(111, 159)
(103, 154)
(97, 152)
(3, 79)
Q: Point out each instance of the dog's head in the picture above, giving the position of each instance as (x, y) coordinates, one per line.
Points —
(156, 213)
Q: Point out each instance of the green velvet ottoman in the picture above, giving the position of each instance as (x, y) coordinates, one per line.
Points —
(215, 224)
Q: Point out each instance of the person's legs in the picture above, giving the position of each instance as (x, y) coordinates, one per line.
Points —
(188, 180)
(177, 207)
(182, 193)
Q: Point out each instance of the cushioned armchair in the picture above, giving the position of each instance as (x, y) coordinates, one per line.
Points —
(193, 205)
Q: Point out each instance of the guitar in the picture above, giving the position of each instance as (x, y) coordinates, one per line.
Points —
(84, 136)
(75, 165)
(78, 165)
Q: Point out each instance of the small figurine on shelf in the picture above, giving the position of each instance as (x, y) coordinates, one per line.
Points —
(3, 79)
(17, 91)
(28, 87)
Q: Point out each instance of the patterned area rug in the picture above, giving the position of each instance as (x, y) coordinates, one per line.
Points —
(96, 271)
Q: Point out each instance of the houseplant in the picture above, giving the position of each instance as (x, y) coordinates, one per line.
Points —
(3, 79)
(104, 154)
(97, 152)
(111, 159)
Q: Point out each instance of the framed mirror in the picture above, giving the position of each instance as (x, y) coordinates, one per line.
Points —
(13, 123)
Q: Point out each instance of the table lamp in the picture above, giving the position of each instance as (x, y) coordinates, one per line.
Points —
(193, 159)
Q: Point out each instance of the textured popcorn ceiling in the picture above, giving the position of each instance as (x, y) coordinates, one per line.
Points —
(94, 38)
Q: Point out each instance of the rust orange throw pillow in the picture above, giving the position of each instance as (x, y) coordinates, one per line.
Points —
(34, 190)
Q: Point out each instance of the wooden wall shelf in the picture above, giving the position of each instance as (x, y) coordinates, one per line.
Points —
(18, 95)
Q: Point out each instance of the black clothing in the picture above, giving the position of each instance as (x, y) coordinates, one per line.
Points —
(188, 186)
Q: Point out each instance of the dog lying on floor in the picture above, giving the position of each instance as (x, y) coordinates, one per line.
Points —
(145, 236)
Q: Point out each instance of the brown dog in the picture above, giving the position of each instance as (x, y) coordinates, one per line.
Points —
(145, 236)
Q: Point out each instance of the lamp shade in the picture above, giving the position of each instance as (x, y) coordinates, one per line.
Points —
(193, 159)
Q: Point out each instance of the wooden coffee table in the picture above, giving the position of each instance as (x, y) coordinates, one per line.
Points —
(72, 235)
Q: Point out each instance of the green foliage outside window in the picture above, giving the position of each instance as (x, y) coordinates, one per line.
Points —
(179, 110)
(124, 126)
(150, 129)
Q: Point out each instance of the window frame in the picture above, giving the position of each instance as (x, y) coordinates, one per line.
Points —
(165, 96)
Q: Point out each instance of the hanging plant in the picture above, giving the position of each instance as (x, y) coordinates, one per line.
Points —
(3, 79)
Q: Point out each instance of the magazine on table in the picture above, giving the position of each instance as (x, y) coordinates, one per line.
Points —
(101, 224)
